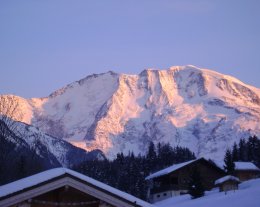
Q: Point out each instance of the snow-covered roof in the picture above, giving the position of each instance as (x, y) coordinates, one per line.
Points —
(245, 166)
(168, 170)
(240, 165)
(226, 178)
(39, 178)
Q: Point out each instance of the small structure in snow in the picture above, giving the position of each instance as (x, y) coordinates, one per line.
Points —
(227, 183)
(246, 171)
(64, 187)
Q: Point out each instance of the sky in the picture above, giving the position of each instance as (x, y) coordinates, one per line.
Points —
(45, 45)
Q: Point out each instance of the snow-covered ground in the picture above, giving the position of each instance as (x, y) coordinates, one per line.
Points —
(248, 195)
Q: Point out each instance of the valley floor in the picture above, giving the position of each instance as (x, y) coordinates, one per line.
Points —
(247, 195)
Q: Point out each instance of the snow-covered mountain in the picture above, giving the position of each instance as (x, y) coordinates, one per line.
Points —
(25, 150)
(197, 108)
(53, 152)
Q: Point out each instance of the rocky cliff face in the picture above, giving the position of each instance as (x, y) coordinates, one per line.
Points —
(186, 106)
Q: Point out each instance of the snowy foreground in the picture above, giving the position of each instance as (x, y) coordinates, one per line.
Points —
(247, 195)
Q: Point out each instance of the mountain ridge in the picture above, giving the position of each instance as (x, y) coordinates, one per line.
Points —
(184, 105)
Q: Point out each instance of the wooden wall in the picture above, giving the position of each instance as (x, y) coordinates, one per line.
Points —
(246, 175)
(179, 179)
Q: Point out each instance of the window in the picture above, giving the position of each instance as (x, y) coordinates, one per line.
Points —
(165, 194)
(158, 196)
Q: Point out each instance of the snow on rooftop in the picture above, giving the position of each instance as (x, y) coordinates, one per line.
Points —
(226, 178)
(239, 165)
(168, 170)
(56, 172)
(245, 166)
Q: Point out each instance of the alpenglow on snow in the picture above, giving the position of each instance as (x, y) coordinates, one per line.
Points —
(186, 106)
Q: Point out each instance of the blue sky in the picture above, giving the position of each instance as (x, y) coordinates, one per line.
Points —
(45, 45)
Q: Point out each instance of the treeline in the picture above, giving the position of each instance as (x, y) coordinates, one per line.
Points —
(128, 172)
(247, 150)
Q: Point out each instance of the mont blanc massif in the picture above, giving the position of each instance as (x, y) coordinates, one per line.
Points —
(186, 106)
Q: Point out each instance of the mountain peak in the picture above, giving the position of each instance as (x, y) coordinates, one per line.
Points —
(184, 105)
(185, 67)
(89, 78)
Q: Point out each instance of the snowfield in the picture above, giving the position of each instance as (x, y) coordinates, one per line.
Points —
(186, 106)
(248, 195)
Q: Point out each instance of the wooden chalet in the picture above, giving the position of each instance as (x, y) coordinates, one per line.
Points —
(63, 187)
(174, 180)
(227, 183)
(246, 171)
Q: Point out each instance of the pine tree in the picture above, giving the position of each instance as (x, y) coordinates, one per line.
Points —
(251, 148)
(151, 157)
(235, 154)
(166, 156)
(257, 153)
(196, 188)
(229, 163)
(242, 151)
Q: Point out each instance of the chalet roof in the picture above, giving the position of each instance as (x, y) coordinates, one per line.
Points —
(169, 169)
(226, 178)
(175, 167)
(246, 166)
(34, 180)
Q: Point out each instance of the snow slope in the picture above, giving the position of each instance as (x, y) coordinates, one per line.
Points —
(187, 106)
(246, 195)
(54, 151)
